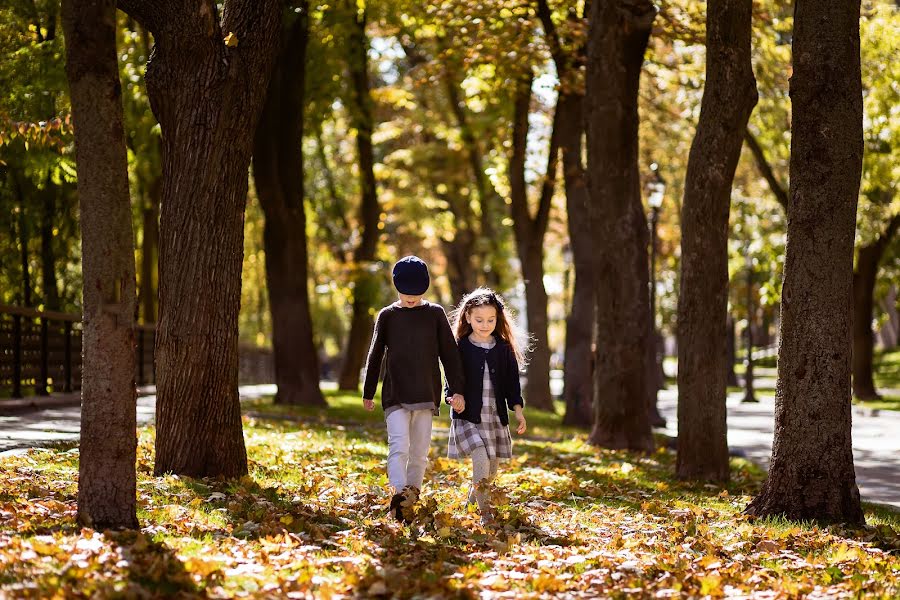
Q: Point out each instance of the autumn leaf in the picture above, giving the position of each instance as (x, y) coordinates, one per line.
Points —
(231, 40)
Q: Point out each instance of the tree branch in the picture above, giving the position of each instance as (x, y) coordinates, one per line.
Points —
(766, 171)
(556, 51)
(148, 13)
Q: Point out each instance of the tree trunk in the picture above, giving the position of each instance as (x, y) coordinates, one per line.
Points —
(728, 99)
(489, 243)
(730, 352)
(207, 94)
(107, 492)
(150, 253)
(278, 173)
(23, 238)
(890, 330)
(365, 288)
(48, 256)
(578, 378)
(529, 233)
(864, 277)
(617, 38)
(460, 271)
(578, 382)
(811, 475)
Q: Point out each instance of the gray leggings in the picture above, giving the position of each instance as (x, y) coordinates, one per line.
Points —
(482, 469)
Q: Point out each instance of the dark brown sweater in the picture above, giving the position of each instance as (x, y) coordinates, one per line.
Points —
(415, 339)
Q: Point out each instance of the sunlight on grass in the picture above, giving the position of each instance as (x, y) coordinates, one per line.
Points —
(311, 519)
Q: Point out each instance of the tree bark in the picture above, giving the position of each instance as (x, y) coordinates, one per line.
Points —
(578, 382)
(811, 475)
(728, 99)
(107, 492)
(864, 277)
(529, 233)
(23, 238)
(278, 174)
(890, 330)
(578, 378)
(150, 253)
(730, 352)
(617, 38)
(365, 288)
(207, 96)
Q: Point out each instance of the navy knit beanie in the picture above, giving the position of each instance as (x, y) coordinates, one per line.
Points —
(411, 276)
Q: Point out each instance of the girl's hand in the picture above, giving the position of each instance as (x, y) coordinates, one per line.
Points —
(458, 403)
(520, 417)
(369, 403)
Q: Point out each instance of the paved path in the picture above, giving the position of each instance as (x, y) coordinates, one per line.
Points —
(61, 424)
(876, 445)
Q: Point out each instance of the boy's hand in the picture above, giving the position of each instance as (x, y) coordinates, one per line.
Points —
(458, 403)
(368, 403)
(520, 417)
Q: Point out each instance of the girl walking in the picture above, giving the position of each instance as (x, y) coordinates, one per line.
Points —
(485, 333)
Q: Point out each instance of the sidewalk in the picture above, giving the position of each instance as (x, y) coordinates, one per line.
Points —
(59, 421)
(751, 427)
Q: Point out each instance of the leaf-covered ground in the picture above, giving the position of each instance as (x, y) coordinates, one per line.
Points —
(309, 522)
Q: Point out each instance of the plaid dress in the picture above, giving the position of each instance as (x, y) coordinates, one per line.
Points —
(490, 433)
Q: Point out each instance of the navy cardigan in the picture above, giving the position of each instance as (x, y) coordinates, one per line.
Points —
(504, 374)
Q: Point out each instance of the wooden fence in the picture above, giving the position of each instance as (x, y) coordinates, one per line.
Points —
(40, 352)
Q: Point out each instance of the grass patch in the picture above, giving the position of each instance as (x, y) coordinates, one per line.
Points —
(310, 521)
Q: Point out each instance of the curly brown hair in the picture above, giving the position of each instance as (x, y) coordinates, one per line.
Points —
(506, 328)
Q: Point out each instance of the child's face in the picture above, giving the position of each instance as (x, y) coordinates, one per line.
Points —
(483, 320)
(407, 301)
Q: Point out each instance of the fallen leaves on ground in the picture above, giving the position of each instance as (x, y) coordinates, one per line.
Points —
(310, 522)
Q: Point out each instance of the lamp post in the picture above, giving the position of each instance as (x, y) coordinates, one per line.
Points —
(656, 190)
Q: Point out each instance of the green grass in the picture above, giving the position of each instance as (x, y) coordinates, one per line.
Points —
(310, 519)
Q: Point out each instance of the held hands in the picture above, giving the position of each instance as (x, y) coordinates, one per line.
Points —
(369, 403)
(457, 402)
(520, 417)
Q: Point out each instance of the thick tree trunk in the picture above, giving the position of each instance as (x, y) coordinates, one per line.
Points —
(529, 233)
(107, 492)
(369, 211)
(864, 277)
(811, 475)
(207, 96)
(48, 255)
(728, 99)
(278, 173)
(617, 39)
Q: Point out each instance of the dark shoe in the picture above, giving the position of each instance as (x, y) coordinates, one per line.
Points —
(403, 504)
(396, 508)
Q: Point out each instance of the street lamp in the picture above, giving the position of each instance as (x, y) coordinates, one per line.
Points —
(656, 191)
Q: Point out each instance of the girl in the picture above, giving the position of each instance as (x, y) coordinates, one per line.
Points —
(485, 333)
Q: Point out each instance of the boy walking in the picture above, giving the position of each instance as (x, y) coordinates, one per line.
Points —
(416, 335)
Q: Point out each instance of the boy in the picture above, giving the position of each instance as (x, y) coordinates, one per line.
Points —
(416, 334)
